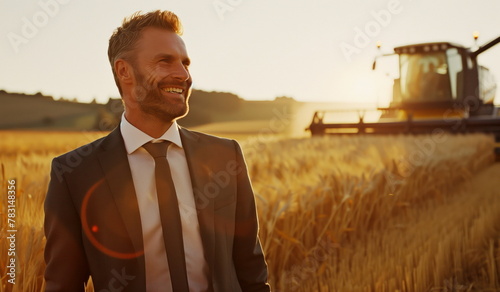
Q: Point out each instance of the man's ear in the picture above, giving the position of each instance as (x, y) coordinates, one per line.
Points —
(124, 71)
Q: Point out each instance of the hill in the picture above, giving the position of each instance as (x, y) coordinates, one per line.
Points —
(43, 112)
(22, 111)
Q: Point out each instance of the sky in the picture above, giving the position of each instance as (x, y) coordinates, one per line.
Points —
(311, 50)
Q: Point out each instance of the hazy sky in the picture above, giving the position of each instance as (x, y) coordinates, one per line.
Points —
(258, 49)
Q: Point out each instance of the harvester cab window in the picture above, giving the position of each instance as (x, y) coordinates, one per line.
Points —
(425, 77)
(456, 72)
(487, 85)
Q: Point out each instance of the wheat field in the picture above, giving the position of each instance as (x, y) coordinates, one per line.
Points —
(358, 213)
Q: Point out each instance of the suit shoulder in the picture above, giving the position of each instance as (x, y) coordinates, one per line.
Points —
(207, 138)
(82, 151)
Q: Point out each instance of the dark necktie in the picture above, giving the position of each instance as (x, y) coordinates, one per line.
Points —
(170, 216)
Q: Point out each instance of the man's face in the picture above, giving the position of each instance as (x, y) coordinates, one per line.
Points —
(163, 82)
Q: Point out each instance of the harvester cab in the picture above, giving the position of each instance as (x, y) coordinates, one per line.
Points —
(442, 76)
(436, 86)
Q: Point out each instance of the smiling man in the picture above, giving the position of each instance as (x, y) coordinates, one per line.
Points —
(152, 206)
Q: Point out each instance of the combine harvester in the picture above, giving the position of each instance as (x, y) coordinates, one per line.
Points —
(439, 87)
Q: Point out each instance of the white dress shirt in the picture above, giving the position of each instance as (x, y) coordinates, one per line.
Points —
(142, 166)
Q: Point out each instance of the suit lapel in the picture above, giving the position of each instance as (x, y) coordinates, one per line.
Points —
(114, 162)
(200, 177)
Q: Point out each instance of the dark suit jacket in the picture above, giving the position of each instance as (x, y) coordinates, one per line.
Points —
(93, 227)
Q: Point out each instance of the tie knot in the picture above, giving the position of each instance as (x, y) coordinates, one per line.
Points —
(157, 149)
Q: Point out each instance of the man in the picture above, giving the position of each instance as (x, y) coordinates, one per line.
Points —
(108, 211)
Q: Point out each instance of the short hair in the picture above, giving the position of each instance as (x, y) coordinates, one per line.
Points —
(124, 38)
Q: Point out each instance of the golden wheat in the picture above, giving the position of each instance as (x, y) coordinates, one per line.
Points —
(361, 213)
(318, 198)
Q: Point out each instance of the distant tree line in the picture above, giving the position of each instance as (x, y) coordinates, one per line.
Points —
(205, 107)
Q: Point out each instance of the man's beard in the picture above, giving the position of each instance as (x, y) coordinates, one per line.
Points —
(152, 102)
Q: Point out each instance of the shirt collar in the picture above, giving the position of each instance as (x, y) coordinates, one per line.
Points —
(135, 138)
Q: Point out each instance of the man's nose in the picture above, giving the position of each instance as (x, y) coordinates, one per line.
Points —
(181, 72)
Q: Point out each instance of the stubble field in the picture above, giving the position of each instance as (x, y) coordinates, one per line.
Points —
(362, 213)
